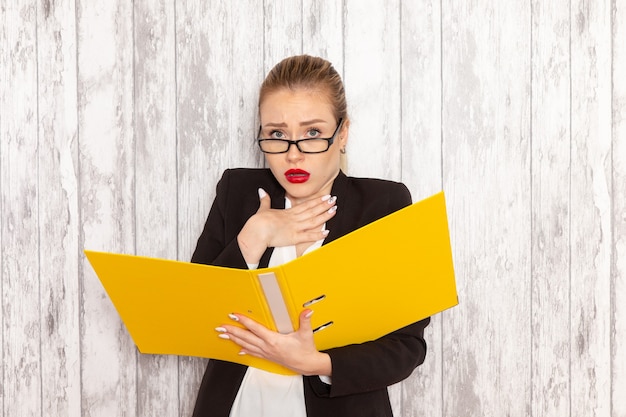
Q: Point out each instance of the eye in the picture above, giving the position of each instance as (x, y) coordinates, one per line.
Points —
(313, 133)
(277, 134)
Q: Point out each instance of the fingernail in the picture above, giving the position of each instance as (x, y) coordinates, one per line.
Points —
(262, 193)
(223, 336)
(233, 317)
(326, 197)
(332, 199)
(241, 353)
(332, 209)
(309, 314)
(220, 329)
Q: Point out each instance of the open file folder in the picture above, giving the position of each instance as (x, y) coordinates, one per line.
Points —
(377, 279)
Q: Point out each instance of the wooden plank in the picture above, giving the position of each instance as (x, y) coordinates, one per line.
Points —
(106, 142)
(156, 178)
(245, 78)
(322, 31)
(372, 79)
(59, 219)
(486, 165)
(21, 328)
(283, 31)
(618, 261)
(590, 208)
(202, 127)
(421, 169)
(550, 208)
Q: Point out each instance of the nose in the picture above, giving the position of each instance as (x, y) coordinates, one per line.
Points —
(293, 153)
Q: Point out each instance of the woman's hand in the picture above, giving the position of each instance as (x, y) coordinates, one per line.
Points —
(295, 350)
(274, 228)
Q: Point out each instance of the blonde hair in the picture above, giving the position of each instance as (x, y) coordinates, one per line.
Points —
(307, 72)
(311, 73)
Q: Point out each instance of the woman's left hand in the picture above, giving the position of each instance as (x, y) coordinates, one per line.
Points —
(295, 350)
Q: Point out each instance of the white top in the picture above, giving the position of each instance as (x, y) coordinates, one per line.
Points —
(265, 394)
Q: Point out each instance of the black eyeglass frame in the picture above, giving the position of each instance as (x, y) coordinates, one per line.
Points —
(329, 141)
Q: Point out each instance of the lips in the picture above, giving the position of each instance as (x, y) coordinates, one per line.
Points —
(297, 176)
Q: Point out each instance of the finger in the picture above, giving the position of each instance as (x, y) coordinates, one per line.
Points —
(240, 336)
(248, 343)
(253, 326)
(315, 206)
(305, 321)
(265, 202)
(315, 223)
(311, 236)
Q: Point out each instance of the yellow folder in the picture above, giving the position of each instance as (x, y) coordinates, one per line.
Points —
(377, 279)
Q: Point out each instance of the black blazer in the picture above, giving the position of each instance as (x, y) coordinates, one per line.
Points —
(362, 372)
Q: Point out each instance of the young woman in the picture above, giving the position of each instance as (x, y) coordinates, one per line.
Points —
(266, 217)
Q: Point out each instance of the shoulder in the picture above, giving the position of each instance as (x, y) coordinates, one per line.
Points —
(364, 200)
(238, 187)
(245, 175)
(381, 192)
(244, 181)
(378, 187)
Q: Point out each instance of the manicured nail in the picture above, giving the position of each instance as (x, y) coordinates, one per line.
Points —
(233, 317)
(220, 329)
(326, 197)
(332, 199)
(262, 193)
(309, 314)
(241, 353)
(223, 336)
(332, 209)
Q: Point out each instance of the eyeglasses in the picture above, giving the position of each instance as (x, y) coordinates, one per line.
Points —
(312, 145)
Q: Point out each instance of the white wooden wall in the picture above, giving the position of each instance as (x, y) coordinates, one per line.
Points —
(117, 118)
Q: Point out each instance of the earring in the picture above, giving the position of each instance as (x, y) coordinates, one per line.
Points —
(342, 150)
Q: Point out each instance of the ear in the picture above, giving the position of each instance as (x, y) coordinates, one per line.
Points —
(343, 133)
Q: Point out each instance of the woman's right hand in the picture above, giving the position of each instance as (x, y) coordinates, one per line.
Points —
(270, 227)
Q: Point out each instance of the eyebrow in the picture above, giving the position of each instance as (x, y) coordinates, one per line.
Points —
(305, 123)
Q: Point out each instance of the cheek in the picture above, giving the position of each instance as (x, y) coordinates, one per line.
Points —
(330, 165)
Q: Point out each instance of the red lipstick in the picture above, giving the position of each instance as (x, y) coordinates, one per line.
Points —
(297, 176)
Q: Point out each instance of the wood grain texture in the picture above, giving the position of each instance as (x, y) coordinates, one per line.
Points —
(590, 295)
(245, 75)
(156, 179)
(21, 326)
(372, 81)
(421, 170)
(322, 31)
(618, 261)
(59, 220)
(282, 22)
(550, 210)
(486, 165)
(117, 120)
(107, 208)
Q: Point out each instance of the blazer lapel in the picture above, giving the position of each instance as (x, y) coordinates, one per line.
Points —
(339, 224)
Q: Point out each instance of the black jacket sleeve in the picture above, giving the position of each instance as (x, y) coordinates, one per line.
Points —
(215, 245)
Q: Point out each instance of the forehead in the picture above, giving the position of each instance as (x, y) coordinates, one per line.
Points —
(295, 104)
